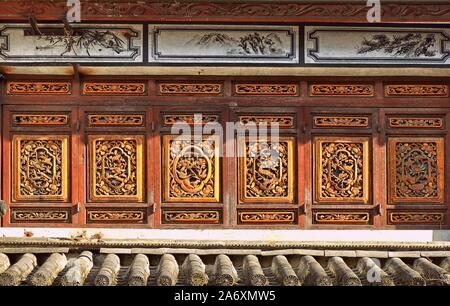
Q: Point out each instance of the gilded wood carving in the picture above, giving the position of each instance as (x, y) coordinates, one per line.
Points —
(191, 216)
(116, 168)
(42, 215)
(105, 88)
(341, 217)
(33, 88)
(416, 169)
(40, 119)
(416, 90)
(115, 120)
(266, 89)
(266, 170)
(283, 122)
(418, 122)
(267, 217)
(191, 119)
(337, 121)
(40, 168)
(342, 169)
(416, 217)
(341, 90)
(191, 169)
(190, 89)
(115, 216)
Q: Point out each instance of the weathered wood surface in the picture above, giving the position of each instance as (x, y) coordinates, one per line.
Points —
(402, 274)
(343, 275)
(78, 270)
(167, 272)
(4, 262)
(225, 273)
(194, 271)
(48, 272)
(19, 271)
(283, 271)
(433, 274)
(107, 276)
(372, 273)
(311, 273)
(253, 273)
(139, 271)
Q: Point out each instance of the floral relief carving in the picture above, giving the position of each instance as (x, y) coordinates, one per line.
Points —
(407, 122)
(266, 89)
(41, 215)
(192, 216)
(193, 89)
(39, 119)
(341, 121)
(189, 119)
(267, 217)
(412, 217)
(103, 88)
(341, 217)
(416, 90)
(282, 121)
(115, 215)
(341, 90)
(115, 120)
(31, 88)
(192, 169)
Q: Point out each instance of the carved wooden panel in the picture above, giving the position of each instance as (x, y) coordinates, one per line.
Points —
(191, 216)
(31, 215)
(342, 169)
(190, 88)
(341, 217)
(111, 88)
(341, 90)
(191, 169)
(116, 168)
(266, 89)
(416, 169)
(115, 120)
(416, 90)
(189, 118)
(416, 217)
(40, 168)
(266, 170)
(283, 121)
(115, 215)
(415, 122)
(255, 217)
(34, 88)
(47, 119)
(340, 121)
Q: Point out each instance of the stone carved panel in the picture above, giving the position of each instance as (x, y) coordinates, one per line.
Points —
(115, 216)
(40, 168)
(416, 217)
(34, 88)
(342, 169)
(266, 89)
(47, 119)
(191, 216)
(341, 90)
(337, 217)
(416, 169)
(41, 215)
(191, 169)
(190, 88)
(116, 168)
(266, 170)
(416, 90)
(415, 122)
(113, 88)
(283, 121)
(285, 217)
(115, 120)
(339, 121)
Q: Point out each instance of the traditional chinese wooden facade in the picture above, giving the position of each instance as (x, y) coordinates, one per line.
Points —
(87, 137)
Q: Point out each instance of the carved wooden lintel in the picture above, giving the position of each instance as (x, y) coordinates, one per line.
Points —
(189, 118)
(113, 88)
(266, 89)
(115, 120)
(39, 215)
(416, 217)
(191, 216)
(190, 88)
(47, 119)
(365, 90)
(35, 88)
(267, 217)
(341, 217)
(416, 90)
(109, 215)
(283, 121)
(415, 122)
(340, 121)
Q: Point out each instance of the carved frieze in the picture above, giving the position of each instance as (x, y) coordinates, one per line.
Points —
(116, 168)
(416, 217)
(190, 88)
(46, 119)
(416, 90)
(267, 217)
(40, 168)
(115, 215)
(38, 88)
(266, 170)
(191, 169)
(189, 118)
(115, 120)
(416, 169)
(266, 89)
(342, 169)
(415, 122)
(341, 90)
(283, 121)
(113, 88)
(339, 121)
(191, 216)
(341, 217)
(41, 215)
